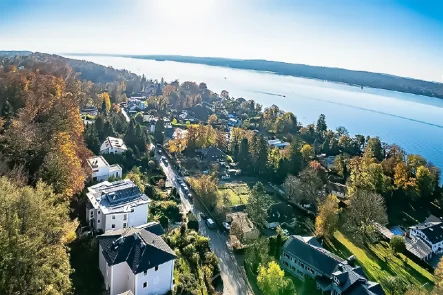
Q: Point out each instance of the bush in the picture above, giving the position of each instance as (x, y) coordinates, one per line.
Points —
(397, 244)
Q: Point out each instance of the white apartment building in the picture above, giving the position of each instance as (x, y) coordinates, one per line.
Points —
(136, 260)
(116, 205)
(113, 145)
(101, 170)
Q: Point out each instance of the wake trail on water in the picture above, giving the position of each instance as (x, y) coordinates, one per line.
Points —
(358, 108)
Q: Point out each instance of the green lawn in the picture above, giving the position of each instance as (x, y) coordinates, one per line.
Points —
(378, 262)
(237, 193)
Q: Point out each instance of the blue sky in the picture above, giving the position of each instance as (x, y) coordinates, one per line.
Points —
(401, 37)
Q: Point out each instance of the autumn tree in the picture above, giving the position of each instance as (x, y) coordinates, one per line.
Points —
(212, 119)
(35, 229)
(136, 176)
(395, 285)
(365, 209)
(205, 188)
(272, 281)
(307, 152)
(107, 102)
(438, 277)
(327, 219)
(374, 148)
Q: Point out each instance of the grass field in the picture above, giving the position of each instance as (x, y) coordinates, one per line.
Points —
(236, 192)
(378, 261)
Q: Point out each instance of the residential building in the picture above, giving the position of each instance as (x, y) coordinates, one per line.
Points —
(337, 189)
(116, 205)
(113, 145)
(89, 110)
(136, 260)
(101, 170)
(136, 103)
(280, 213)
(234, 122)
(273, 143)
(212, 154)
(242, 227)
(431, 233)
(304, 257)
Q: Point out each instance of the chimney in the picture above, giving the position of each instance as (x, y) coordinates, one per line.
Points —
(351, 260)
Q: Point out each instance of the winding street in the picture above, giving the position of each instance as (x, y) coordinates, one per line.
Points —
(232, 274)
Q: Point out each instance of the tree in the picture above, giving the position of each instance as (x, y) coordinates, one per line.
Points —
(35, 228)
(205, 188)
(106, 101)
(258, 204)
(212, 119)
(272, 281)
(425, 181)
(397, 244)
(307, 152)
(415, 161)
(136, 177)
(395, 285)
(326, 221)
(341, 130)
(438, 276)
(374, 148)
(158, 131)
(311, 185)
(293, 189)
(321, 124)
(365, 208)
(257, 254)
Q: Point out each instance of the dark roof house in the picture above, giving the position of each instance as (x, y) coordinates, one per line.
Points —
(305, 256)
(212, 154)
(280, 213)
(139, 248)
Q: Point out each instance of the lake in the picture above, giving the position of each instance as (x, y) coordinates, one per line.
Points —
(414, 122)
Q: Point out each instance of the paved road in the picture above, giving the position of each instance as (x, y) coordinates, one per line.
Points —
(232, 274)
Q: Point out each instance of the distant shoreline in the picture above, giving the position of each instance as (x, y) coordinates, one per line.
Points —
(335, 75)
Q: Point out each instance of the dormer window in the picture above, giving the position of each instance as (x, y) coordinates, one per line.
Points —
(336, 280)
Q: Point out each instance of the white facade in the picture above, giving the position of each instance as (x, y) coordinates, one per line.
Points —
(120, 278)
(103, 215)
(101, 170)
(437, 248)
(113, 145)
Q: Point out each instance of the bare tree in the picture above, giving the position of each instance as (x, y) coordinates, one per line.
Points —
(293, 189)
(307, 187)
(365, 209)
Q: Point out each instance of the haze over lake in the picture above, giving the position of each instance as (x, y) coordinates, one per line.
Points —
(411, 121)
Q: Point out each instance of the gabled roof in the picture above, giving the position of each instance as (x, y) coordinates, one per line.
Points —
(113, 142)
(212, 152)
(139, 248)
(418, 247)
(432, 230)
(153, 227)
(317, 257)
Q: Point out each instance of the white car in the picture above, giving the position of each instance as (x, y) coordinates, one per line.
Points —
(226, 225)
(285, 232)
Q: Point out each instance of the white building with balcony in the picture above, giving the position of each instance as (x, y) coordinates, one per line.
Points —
(116, 205)
(101, 170)
(136, 261)
(113, 145)
(431, 232)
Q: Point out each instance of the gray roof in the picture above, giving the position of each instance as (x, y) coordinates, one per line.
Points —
(141, 249)
(116, 196)
(317, 257)
(432, 230)
(153, 227)
(418, 247)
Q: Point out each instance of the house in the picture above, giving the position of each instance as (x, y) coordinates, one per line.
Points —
(89, 110)
(242, 227)
(135, 260)
(337, 189)
(280, 213)
(113, 145)
(212, 154)
(304, 257)
(101, 170)
(277, 143)
(115, 205)
(431, 233)
(136, 103)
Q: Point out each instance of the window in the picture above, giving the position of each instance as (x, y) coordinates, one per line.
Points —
(285, 263)
(124, 225)
(145, 284)
(98, 212)
(125, 217)
(113, 226)
(286, 255)
(113, 216)
(156, 268)
(145, 273)
(98, 221)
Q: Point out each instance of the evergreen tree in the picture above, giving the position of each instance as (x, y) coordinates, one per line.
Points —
(130, 136)
(92, 140)
(159, 130)
(321, 124)
(244, 158)
(295, 157)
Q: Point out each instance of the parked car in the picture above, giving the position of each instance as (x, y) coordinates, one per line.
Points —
(226, 226)
(226, 176)
(210, 223)
(285, 232)
(190, 195)
(164, 160)
(203, 216)
(159, 151)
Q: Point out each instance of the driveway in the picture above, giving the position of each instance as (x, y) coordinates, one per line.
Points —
(232, 274)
